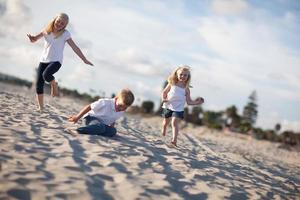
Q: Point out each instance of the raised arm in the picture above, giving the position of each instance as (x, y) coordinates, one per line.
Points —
(77, 50)
(164, 94)
(75, 118)
(34, 38)
(189, 101)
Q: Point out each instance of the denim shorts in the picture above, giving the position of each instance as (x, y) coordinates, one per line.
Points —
(166, 113)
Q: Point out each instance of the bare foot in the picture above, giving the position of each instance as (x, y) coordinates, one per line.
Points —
(40, 109)
(54, 89)
(173, 143)
(163, 133)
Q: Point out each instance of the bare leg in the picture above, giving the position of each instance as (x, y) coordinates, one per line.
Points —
(40, 100)
(175, 122)
(54, 89)
(165, 124)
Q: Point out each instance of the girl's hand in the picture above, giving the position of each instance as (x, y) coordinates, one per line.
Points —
(200, 100)
(87, 62)
(32, 38)
(164, 100)
(73, 119)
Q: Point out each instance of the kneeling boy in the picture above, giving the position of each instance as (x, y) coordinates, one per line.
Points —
(101, 115)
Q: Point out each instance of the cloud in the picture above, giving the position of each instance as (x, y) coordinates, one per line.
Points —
(19, 60)
(291, 125)
(133, 62)
(286, 94)
(14, 14)
(229, 7)
(250, 50)
(82, 74)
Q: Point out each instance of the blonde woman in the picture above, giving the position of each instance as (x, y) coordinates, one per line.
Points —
(55, 35)
(174, 97)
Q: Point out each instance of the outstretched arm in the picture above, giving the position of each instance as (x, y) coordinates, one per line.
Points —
(165, 92)
(34, 38)
(189, 101)
(77, 50)
(75, 118)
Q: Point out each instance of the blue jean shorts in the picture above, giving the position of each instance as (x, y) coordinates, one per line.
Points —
(166, 113)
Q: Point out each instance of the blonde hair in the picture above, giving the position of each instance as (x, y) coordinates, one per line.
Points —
(126, 96)
(49, 28)
(173, 78)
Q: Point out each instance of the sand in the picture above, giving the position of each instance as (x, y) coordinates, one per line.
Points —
(40, 160)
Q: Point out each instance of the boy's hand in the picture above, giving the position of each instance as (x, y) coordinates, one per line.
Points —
(112, 125)
(73, 119)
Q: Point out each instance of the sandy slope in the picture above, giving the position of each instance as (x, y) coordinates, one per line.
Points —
(39, 160)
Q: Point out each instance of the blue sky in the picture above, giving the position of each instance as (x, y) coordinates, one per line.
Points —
(232, 46)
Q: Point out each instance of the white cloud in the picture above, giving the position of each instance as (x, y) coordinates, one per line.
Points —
(82, 74)
(229, 7)
(13, 18)
(250, 50)
(291, 125)
(286, 94)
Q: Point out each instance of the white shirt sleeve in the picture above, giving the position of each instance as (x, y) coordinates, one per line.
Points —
(97, 105)
(67, 35)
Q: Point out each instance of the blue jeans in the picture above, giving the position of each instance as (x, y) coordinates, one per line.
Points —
(93, 126)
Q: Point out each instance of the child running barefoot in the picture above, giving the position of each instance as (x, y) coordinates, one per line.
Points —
(174, 96)
(55, 35)
(101, 115)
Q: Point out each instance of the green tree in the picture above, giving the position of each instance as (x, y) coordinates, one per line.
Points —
(250, 110)
(277, 127)
(194, 116)
(147, 106)
(233, 119)
(212, 119)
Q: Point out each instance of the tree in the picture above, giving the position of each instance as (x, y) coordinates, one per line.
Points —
(233, 119)
(194, 116)
(250, 110)
(277, 127)
(147, 106)
(212, 119)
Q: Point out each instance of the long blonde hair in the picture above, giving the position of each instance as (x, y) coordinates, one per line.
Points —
(49, 28)
(173, 78)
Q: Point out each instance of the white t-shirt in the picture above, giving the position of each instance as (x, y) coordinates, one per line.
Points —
(105, 111)
(176, 99)
(54, 47)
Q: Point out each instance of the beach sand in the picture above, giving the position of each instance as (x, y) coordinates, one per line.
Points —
(39, 159)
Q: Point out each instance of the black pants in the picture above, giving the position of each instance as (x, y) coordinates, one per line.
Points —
(45, 72)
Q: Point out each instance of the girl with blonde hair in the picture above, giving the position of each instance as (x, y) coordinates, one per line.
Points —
(55, 35)
(174, 97)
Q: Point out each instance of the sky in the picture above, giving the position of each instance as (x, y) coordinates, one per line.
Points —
(232, 46)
